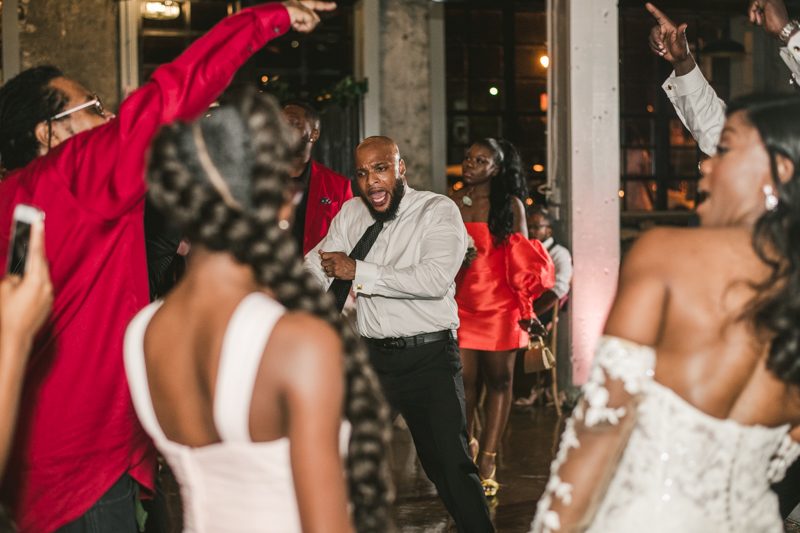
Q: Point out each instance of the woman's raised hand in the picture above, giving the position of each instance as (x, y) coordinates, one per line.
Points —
(303, 13)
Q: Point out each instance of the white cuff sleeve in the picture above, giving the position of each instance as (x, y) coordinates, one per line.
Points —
(791, 54)
(366, 276)
(677, 86)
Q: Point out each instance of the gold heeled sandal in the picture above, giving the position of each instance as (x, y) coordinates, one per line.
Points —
(490, 486)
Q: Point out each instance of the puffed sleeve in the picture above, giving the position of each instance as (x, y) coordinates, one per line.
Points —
(529, 271)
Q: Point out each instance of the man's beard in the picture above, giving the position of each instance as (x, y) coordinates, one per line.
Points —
(394, 205)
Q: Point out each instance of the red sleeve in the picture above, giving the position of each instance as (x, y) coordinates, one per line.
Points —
(348, 191)
(529, 271)
(104, 167)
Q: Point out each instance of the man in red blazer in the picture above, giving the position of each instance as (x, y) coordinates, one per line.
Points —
(323, 190)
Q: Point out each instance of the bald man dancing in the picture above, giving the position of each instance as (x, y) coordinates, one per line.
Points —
(399, 250)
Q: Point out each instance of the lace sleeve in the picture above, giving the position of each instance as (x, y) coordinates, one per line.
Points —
(595, 436)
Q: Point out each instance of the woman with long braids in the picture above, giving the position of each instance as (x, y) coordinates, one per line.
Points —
(495, 292)
(692, 408)
(235, 373)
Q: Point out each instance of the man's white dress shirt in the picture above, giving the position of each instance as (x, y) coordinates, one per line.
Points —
(699, 107)
(406, 284)
(562, 261)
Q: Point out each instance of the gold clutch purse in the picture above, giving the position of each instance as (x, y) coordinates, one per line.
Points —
(538, 356)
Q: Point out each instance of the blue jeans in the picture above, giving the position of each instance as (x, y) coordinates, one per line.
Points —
(114, 512)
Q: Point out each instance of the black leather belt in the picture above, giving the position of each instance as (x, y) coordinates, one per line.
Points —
(398, 343)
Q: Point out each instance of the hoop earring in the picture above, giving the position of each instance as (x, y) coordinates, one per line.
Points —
(283, 224)
(772, 201)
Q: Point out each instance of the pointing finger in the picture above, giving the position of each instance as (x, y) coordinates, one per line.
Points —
(662, 19)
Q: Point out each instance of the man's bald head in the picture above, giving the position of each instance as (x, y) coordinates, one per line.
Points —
(380, 175)
(379, 143)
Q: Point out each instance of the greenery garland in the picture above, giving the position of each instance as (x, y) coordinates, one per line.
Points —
(343, 93)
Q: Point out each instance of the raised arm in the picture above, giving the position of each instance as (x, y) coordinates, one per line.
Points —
(599, 429)
(442, 250)
(697, 105)
(772, 16)
(104, 167)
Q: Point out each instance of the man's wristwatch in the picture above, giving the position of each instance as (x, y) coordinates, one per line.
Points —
(787, 31)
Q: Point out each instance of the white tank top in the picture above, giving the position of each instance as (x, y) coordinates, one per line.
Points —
(236, 485)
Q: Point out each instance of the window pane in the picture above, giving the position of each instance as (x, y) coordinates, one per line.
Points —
(637, 132)
(455, 25)
(455, 60)
(683, 162)
(486, 62)
(530, 28)
(637, 98)
(206, 14)
(638, 162)
(487, 26)
(457, 94)
(639, 195)
(486, 95)
(482, 127)
(529, 95)
(527, 62)
(679, 135)
(160, 50)
(533, 132)
(682, 195)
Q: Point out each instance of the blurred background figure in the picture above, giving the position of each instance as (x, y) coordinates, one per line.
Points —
(494, 292)
(262, 451)
(540, 228)
(320, 191)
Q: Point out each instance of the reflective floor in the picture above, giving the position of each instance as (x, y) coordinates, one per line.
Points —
(523, 462)
(527, 449)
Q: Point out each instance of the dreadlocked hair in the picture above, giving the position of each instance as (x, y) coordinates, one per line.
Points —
(253, 237)
(509, 182)
(775, 310)
(25, 101)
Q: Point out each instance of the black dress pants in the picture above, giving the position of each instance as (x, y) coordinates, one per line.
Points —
(788, 490)
(426, 386)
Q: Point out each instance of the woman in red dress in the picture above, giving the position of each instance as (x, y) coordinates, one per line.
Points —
(494, 293)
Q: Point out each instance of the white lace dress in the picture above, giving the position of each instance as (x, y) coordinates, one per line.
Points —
(681, 470)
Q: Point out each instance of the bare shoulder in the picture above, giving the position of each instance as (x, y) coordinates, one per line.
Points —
(517, 207)
(302, 353)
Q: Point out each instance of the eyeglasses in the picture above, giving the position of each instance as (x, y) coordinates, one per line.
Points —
(94, 102)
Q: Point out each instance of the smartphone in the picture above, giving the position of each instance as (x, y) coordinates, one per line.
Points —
(24, 217)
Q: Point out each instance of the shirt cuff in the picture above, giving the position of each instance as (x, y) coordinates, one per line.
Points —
(677, 86)
(275, 18)
(366, 276)
(791, 54)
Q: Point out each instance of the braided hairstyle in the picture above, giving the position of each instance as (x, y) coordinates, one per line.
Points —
(25, 101)
(249, 127)
(509, 182)
(775, 310)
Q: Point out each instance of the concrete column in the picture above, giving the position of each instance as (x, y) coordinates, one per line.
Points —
(10, 39)
(128, 46)
(367, 44)
(438, 100)
(593, 214)
(406, 85)
(80, 36)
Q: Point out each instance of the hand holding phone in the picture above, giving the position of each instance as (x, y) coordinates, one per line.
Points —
(25, 302)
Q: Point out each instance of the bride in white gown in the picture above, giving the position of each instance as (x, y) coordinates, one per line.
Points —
(692, 407)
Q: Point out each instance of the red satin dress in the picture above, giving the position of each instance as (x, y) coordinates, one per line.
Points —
(497, 290)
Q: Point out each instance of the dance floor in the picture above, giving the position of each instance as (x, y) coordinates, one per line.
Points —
(522, 469)
(523, 463)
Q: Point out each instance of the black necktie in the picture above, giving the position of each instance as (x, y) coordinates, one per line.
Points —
(340, 287)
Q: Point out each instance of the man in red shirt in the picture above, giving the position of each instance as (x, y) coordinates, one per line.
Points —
(324, 191)
(79, 451)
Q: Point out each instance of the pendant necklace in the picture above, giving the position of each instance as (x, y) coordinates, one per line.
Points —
(467, 201)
